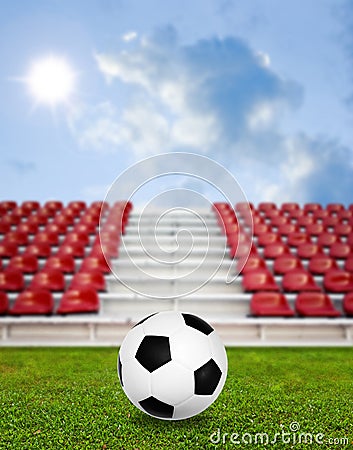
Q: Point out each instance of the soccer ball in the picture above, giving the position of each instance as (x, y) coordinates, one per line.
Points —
(172, 365)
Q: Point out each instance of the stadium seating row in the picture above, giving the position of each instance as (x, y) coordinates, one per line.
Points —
(57, 249)
(307, 304)
(287, 252)
(40, 301)
(297, 280)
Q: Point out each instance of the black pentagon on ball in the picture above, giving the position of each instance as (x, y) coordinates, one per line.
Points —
(120, 371)
(157, 408)
(197, 323)
(207, 378)
(153, 352)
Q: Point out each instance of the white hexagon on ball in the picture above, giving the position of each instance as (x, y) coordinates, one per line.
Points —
(172, 365)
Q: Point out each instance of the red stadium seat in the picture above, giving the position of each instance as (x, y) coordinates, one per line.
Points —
(8, 249)
(261, 228)
(289, 206)
(8, 205)
(16, 237)
(265, 206)
(24, 263)
(64, 263)
(297, 238)
(320, 264)
(48, 237)
(54, 205)
(304, 221)
(326, 239)
(259, 280)
(37, 219)
(287, 228)
(99, 206)
(27, 227)
(295, 214)
(30, 205)
(33, 302)
(221, 206)
(11, 280)
(56, 228)
(64, 219)
(299, 280)
(44, 214)
(279, 221)
(93, 279)
(40, 250)
(344, 214)
(338, 281)
(108, 250)
(270, 304)
(48, 279)
(241, 250)
(350, 239)
(79, 301)
(320, 214)
(312, 207)
(77, 205)
(273, 251)
(254, 262)
(92, 263)
(340, 250)
(315, 304)
(348, 265)
(309, 250)
(98, 255)
(72, 213)
(4, 303)
(330, 221)
(11, 219)
(85, 227)
(268, 238)
(20, 212)
(343, 229)
(5, 226)
(272, 213)
(286, 263)
(314, 229)
(77, 250)
(348, 304)
(334, 207)
(77, 238)
(253, 219)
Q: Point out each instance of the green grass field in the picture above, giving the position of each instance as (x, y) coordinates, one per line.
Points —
(71, 399)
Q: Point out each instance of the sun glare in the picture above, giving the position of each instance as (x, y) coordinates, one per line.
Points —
(51, 80)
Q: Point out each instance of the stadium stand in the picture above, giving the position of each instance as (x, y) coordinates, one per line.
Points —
(296, 287)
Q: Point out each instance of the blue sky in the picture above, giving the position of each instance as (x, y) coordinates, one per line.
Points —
(263, 88)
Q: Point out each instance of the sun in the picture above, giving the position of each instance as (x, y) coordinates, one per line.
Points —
(51, 80)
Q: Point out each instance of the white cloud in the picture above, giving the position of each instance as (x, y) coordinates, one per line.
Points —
(130, 36)
(218, 97)
(262, 116)
(264, 58)
(147, 130)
